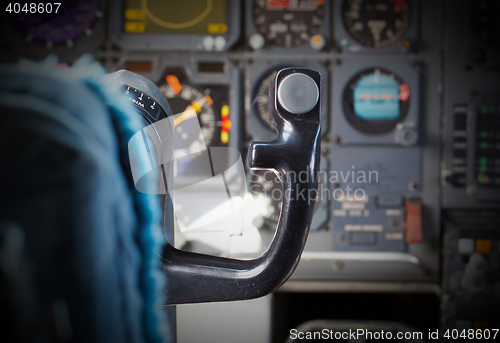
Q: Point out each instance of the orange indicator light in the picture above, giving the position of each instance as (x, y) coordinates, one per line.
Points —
(209, 99)
(174, 83)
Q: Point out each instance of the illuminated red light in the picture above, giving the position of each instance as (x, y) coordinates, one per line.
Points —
(404, 92)
(278, 3)
(398, 4)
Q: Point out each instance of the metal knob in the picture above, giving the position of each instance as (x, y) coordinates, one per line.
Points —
(298, 93)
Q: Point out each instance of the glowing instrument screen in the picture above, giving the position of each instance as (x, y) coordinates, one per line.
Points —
(376, 97)
(173, 16)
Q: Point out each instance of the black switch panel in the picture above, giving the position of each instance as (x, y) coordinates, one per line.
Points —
(487, 141)
(459, 162)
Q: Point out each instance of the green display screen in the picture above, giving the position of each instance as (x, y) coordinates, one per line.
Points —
(175, 16)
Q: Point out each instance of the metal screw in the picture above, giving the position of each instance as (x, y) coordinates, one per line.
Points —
(337, 265)
(412, 185)
(471, 190)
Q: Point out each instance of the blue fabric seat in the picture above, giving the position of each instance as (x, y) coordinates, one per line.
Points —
(65, 180)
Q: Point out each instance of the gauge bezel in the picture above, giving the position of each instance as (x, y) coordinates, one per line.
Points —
(280, 15)
(343, 130)
(341, 33)
(216, 108)
(325, 30)
(372, 127)
(255, 91)
(321, 215)
(344, 21)
(167, 41)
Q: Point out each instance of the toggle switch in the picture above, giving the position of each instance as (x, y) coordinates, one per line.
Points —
(413, 223)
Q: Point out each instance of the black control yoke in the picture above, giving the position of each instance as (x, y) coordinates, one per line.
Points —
(295, 108)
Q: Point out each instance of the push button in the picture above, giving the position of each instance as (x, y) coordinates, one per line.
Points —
(362, 238)
(298, 93)
(483, 246)
(389, 200)
(466, 246)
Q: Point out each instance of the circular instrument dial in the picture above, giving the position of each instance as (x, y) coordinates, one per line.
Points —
(191, 106)
(376, 23)
(267, 190)
(288, 23)
(261, 98)
(65, 29)
(266, 185)
(376, 100)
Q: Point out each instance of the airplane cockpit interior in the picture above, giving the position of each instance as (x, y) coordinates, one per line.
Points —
(270, 171)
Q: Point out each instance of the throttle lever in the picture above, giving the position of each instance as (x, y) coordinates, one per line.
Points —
(294, 108)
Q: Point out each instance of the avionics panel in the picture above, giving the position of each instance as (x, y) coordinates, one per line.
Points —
(376, 179)
(471, 168)
(171, 25)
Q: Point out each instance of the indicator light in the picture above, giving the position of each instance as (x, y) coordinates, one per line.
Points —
(225, 124)
(174, 83)
(404, 92)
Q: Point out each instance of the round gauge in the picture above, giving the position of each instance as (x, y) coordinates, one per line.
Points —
(288, 23)
(260, 98)
(485, 19)
(267, 189)
(194, 106)
(376, 23)
(375, 101)
(267, 186)
(65, 29)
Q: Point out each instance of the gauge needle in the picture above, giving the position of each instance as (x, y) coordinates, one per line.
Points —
(191, 111)
(188, 113)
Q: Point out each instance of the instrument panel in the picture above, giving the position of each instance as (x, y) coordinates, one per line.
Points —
(410, 129)
(214, 61)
